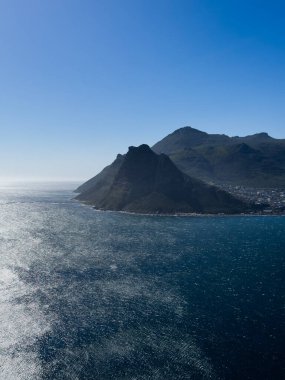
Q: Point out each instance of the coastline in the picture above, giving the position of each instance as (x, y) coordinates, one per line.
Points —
(178, 214)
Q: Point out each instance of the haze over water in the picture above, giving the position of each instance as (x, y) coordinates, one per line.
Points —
(105, 295)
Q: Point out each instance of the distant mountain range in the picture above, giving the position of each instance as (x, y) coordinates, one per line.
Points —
(145, 182)
(254, 161)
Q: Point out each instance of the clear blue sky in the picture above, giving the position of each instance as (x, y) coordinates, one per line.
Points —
(81, 80)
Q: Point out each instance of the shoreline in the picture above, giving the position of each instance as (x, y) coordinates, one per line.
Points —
(177, 214)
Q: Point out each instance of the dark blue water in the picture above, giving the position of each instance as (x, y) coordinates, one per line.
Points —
(102, 295)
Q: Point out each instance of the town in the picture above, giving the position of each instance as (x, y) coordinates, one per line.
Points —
(273, 198)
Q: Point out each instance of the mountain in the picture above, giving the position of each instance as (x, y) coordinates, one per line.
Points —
(255, 161)
(146, 182)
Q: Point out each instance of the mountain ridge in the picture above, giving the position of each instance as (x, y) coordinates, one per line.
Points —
(145, 182)
(256, 160)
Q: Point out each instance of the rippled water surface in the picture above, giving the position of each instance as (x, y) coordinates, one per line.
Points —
(103, 295)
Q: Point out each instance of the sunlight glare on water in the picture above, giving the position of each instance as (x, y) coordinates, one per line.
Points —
(103, 295)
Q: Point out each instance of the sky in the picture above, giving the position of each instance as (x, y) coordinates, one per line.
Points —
(81, 80)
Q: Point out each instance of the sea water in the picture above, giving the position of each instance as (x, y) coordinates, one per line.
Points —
(104, 295)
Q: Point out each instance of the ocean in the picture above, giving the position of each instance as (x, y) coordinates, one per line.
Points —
(86, 294)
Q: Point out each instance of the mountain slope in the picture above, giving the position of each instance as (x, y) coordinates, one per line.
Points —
(142, 181)
(257, 160)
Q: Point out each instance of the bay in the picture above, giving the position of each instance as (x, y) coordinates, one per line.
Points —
(104, 295)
